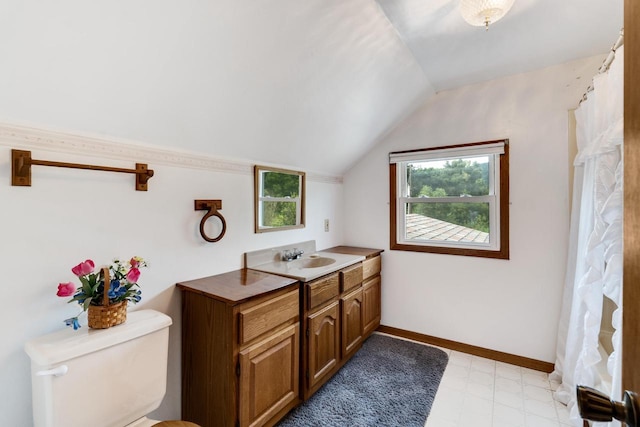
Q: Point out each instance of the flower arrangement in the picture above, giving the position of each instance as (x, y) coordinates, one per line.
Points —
(123, 285)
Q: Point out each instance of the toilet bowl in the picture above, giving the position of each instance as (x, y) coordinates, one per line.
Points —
(101, 377)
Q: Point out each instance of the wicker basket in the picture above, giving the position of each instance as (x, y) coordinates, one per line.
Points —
(105, 316)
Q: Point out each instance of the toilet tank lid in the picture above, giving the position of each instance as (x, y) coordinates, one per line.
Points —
(68, 344)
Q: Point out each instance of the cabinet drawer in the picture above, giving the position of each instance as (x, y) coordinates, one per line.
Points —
(371, 267)
(350, 277)
(322, 290)
(260, 318)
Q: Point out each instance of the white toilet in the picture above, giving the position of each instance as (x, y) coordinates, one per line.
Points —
(101, 377)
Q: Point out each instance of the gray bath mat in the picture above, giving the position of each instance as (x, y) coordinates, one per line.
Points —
(389, 382)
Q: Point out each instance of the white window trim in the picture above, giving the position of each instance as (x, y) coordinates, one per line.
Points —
(493, 199)
(447, 153)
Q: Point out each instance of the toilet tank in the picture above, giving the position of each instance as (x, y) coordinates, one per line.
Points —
(100, 377)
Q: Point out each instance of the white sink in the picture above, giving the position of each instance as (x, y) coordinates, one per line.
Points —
(311, 266)
(314, 261)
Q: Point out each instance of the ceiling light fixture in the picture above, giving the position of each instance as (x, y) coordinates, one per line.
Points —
(484, 12)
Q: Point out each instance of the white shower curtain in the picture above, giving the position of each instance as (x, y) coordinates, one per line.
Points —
(594, 266)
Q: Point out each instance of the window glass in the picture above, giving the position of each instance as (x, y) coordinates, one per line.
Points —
(277, 184)
(453, 177)
(459, 222)
(278, 214)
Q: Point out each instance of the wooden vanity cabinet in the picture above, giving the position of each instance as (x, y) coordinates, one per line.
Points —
(254, 344)
(371, 285)
(321, 323)
(352, 322)
(323, 344)
(333, 323)
(371, 294)
(240, 349)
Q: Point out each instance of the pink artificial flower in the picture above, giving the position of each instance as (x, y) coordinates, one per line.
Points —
(134, 262)
(83, 268)
(66, 289)
(133, 275)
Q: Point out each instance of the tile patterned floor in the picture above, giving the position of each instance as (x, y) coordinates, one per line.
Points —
(478, 392)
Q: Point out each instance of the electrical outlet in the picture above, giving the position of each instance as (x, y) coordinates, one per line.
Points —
(326, 225)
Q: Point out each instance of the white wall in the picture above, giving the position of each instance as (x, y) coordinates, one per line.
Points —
(69, 215)
(312, 83)
(510, 306)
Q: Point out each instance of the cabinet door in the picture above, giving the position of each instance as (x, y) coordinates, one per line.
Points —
(269, 376)
(371, 304)
(352, 321)
(323, 342)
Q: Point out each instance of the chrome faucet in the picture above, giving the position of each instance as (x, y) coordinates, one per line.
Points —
(290, 255)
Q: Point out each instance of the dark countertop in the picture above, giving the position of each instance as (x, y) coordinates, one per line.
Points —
(237, 286)
(352, 250)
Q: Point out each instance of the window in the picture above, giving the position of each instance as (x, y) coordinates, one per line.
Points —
(451, 200)
(279, 199)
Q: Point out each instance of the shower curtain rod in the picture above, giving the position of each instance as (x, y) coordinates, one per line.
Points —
(607, 62)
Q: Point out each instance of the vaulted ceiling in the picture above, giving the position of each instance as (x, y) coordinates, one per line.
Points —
(309, 84)
(533, 35)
